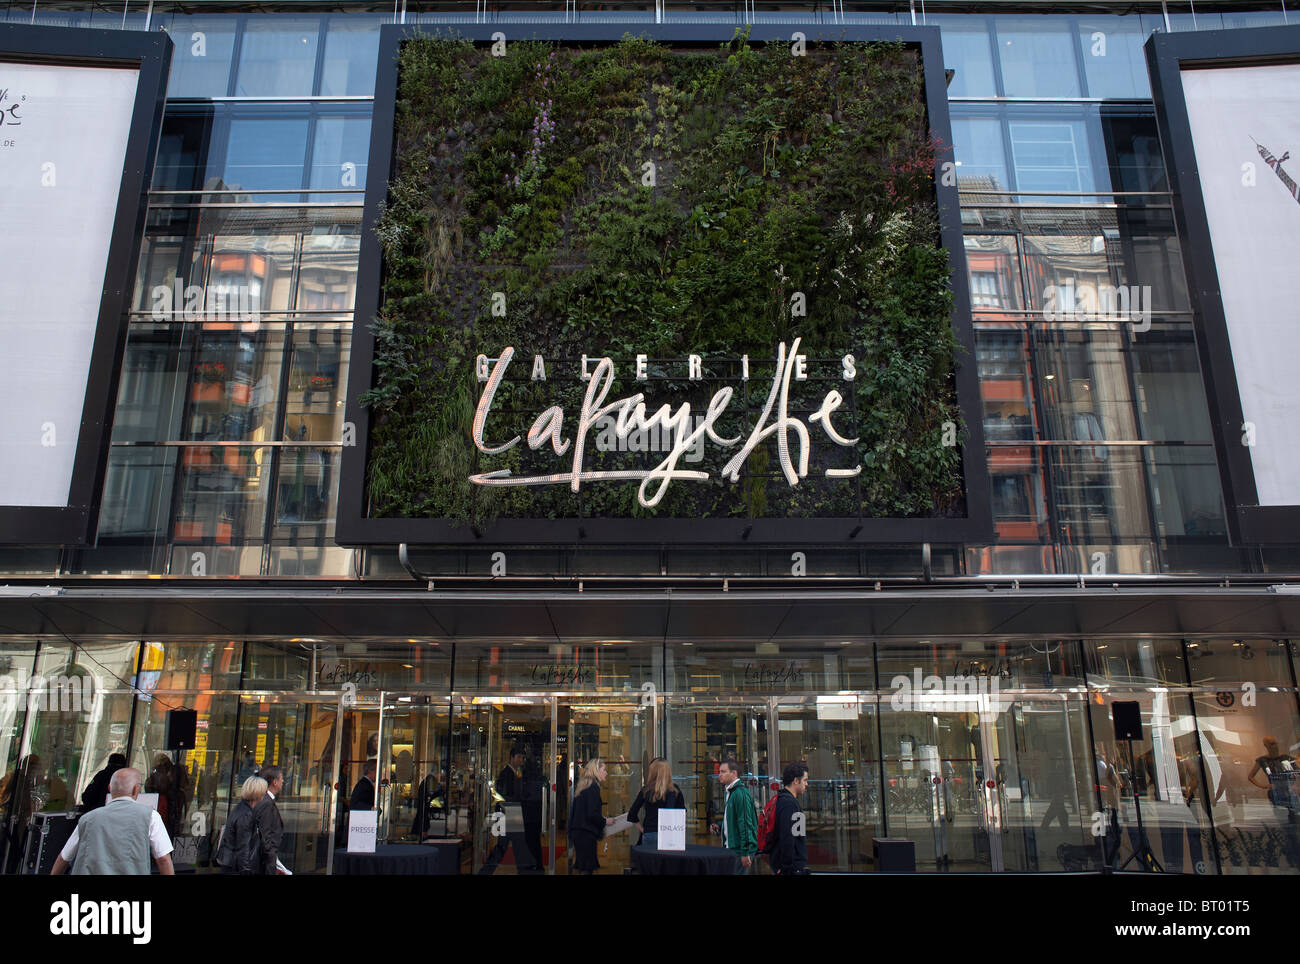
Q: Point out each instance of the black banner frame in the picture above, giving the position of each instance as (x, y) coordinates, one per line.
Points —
(149, 53)
(1168, 54)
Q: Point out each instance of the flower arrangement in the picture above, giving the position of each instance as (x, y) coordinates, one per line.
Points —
(319, 383)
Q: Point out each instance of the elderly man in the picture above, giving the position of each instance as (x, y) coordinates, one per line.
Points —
(120, 837)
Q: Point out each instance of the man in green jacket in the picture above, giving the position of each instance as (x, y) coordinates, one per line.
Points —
(739, 819)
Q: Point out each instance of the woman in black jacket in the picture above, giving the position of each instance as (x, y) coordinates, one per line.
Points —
(586, 821)
(659, 793)
(240, 850)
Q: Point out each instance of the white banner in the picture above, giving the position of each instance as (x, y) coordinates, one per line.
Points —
(63, 138)
(1245, 123)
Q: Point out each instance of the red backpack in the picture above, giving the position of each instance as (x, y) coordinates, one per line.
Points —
(766, 821)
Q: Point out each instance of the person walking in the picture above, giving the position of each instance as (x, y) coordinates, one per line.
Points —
(739, 819)
(509, 788)
(586, 820)
(269, 822)
(119, 837)
(659, 793)
(240, 850)
(788, 851)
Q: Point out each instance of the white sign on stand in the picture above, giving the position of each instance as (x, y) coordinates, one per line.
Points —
(363, 826)
(672, 829)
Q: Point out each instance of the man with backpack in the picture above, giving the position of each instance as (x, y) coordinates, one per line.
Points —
(782, 834)
(739, 823)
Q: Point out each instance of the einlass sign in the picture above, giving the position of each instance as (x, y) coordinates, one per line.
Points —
(686, 429)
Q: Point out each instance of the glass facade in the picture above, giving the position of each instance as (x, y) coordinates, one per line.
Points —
(991, 755)
(224, 464)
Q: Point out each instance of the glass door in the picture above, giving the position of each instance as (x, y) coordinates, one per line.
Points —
(698, 736)
(414, 736)
(303, 739)
(836, 737)
(1043, 803)
(503, 764)
(937, 794)
(622, 736)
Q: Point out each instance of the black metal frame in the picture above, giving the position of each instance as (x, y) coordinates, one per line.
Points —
(150, 55)
(354, 527)
(1249, 523)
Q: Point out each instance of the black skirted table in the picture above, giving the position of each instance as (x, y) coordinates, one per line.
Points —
(696, 861)
(427, 859)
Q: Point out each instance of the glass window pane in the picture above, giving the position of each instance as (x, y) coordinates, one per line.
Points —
(317, 383)
(151, 388)
(183, 147)
(1037, 55)
(994, 272)
(222, 496)
(351, 55)
(82, 709)
(967, 51)
(340, 152)
(201, 59)
(306, 496)
(235, 385)
(278, 57)
(1113, 59)
(1161, 775)
(328, 277)
(137, 497)
(1136, 662)
(263, 153)
(256, 271)
(981, 159)
(1250, 764)
(1051, 156)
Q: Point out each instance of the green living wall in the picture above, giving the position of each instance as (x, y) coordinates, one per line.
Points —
(639, 199)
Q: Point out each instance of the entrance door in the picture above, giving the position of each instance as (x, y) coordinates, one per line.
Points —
(940, 787)
(411, 794)
(301, 737)
(503, 757)
(622, 736)
(836, 737)
(699, 735)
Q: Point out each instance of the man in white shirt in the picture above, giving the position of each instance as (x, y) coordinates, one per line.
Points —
(120, 837)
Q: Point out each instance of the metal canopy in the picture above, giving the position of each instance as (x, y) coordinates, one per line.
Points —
(702, 615)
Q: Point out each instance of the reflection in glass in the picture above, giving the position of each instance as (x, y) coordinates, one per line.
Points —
(278, 57)
(200, 65)
(1037, 56)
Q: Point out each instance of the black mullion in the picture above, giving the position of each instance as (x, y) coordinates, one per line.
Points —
(277, 435)
(1200, 762)
(236, 49)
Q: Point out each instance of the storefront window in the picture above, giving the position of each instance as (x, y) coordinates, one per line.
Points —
(79, 711)
(758, 672)
(1160, 774)
(327, 666)
(600, 667)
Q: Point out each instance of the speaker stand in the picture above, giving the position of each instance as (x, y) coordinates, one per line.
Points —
(1143, 854)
